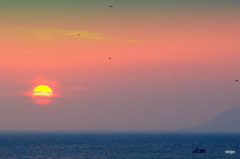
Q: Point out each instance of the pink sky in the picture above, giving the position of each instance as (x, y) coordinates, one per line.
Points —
(172, 65)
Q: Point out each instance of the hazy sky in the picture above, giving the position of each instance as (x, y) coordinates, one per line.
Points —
(173, 63)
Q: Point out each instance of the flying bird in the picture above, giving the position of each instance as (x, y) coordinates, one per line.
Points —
(110, 6)
(236, 80)
(110, 58)
(78, 34)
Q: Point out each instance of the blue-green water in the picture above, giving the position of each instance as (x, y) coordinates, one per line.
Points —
(117, 146)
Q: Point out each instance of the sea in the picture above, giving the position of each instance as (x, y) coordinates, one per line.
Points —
(117, 145)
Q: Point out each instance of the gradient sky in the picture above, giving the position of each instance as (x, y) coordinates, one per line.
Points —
(174, 63)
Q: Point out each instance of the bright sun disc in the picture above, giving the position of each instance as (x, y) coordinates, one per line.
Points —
(43, 91)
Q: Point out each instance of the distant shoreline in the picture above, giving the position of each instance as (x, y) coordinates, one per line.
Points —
(110, 132)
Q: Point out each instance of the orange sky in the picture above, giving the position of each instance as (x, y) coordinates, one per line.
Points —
(168, 61)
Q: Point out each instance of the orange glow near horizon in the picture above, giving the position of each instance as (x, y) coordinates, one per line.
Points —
(42, 94)
(42, 101)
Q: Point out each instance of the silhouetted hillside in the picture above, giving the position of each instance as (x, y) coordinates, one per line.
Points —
(228, 121)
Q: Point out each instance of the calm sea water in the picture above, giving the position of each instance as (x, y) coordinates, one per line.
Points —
(117, 146)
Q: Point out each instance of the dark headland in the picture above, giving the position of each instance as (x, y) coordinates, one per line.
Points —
(227, 121)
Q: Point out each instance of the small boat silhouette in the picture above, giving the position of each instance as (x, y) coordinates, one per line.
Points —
(197, 150)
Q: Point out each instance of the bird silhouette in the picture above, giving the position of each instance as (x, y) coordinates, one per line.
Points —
(236, 80)
(110, 6)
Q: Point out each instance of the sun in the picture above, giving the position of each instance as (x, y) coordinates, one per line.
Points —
(42, 91)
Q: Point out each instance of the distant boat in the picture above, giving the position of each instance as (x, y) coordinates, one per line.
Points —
(197, 150)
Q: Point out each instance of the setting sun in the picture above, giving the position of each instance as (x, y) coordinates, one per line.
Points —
(43, 91)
